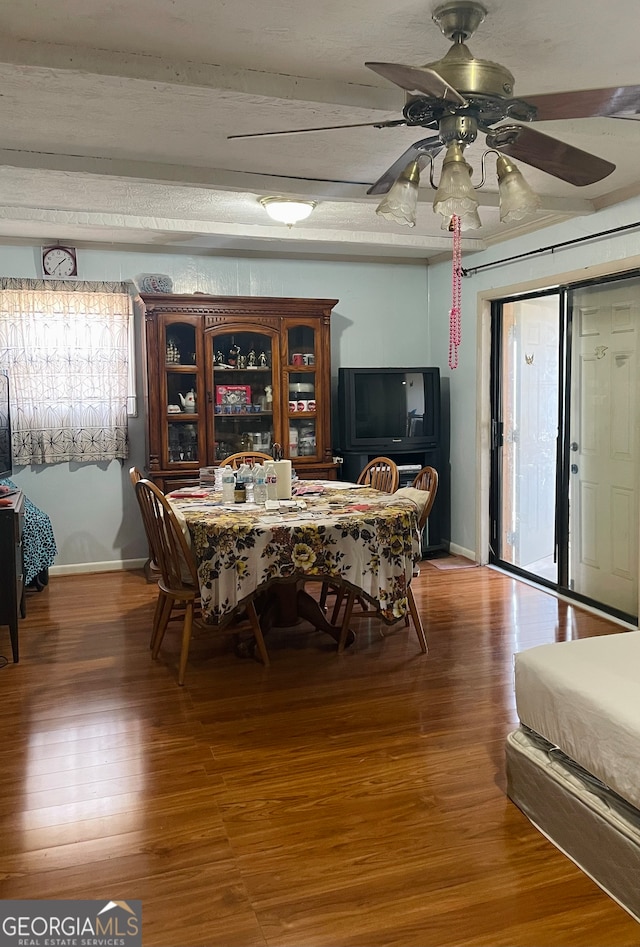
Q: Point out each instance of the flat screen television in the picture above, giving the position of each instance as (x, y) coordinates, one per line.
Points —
(5, 427)
(389, 409)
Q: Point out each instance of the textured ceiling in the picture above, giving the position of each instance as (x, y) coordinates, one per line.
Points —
(115, 117)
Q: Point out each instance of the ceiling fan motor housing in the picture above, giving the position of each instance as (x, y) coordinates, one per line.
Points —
(471, 76)
(486, 86)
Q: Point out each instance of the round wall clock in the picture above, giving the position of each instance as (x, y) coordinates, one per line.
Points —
(59, 262)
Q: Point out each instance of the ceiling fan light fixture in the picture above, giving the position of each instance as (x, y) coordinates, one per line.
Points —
(455, 194)
(517, 200)
(286, 210)
(401, 203)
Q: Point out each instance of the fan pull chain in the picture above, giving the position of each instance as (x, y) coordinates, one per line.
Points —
(456, 294)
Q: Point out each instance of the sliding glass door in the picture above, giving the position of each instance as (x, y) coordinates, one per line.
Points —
(565, 446)
(527, 433)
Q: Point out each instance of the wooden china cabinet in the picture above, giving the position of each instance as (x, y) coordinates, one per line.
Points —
(232, 373)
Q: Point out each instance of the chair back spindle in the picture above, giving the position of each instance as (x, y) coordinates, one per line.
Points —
(381, 473)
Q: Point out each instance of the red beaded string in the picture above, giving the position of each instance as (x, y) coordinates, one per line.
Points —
(456, 294)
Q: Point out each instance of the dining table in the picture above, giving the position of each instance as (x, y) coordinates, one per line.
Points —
(346, 535)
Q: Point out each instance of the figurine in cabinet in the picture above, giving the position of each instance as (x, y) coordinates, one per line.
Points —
(173, 352)
(188, 401)
(234, 351)
(188, 442)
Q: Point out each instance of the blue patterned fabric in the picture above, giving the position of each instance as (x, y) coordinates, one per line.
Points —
(39, 544)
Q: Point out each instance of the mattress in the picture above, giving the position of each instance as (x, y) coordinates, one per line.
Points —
(583, 696)
(585, 820)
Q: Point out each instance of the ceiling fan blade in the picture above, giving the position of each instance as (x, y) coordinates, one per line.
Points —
(585, 103)
(322, 128)
(555, 157)
(428, 146)
(417, 79)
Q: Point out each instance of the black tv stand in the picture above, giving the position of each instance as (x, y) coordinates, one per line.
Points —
(409, 463)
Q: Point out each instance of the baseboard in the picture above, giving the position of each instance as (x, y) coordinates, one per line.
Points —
(113, 565)
(456, 550)
(128, 565)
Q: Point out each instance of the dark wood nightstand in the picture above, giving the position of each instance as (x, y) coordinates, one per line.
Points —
(12, 605)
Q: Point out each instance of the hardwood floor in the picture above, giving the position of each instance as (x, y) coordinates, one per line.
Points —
(330, 800)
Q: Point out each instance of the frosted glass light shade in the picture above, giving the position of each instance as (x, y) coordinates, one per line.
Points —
(286, 210)
(455, 193)
(517, 200)
(401, 203)
(470, 221)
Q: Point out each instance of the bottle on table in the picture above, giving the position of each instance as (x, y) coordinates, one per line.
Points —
(245, 476)
(259, 485)
(271, 481)
(228, 485)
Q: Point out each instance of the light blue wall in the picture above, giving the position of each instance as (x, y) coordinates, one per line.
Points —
(380, 319)
(388, 314)
(579, 262)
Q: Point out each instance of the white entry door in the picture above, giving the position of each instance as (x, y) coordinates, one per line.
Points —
(603, 434)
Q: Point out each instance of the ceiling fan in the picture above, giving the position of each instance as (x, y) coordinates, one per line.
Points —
(459, 96)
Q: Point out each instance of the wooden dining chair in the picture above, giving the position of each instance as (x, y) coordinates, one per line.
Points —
(413, 611)
(150, 568)
(381, 473)
(426, 479)
(244, 457)
(178, 583)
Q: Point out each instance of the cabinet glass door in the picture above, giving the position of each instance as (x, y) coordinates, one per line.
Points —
(180, 395)
(301, 383)
(243, 391)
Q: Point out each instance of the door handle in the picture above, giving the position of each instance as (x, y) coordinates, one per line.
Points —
(574, 445)
(574, 468)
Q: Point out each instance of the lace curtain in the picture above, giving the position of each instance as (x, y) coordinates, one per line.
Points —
(66, 346)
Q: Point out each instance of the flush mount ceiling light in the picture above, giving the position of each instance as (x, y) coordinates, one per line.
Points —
(287, 210)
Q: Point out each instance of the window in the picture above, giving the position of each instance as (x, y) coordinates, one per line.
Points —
(68, 349)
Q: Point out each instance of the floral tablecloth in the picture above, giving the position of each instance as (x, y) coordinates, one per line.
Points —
(360, 538)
